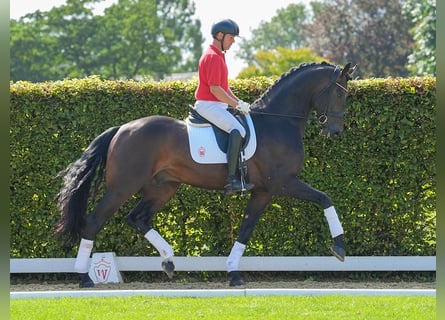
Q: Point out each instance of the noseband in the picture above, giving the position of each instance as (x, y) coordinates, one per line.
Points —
(323, 117)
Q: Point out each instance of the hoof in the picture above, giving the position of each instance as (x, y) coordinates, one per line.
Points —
(338, 249)
(235, 279)
(168, 267)
(85, 281)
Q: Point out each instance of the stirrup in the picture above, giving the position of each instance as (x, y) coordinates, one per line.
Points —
(233, 186)
(236, 186)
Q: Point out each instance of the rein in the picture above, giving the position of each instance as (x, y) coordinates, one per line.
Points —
(277, 114)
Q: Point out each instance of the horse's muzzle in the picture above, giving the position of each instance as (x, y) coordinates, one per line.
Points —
(332, 133)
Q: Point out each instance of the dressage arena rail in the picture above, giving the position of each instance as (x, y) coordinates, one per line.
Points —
(276, 263)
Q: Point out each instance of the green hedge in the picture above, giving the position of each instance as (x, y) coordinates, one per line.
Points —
(380, 173)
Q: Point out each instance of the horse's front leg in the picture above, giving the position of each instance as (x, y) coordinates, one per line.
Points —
(255, 208)
(296, 188)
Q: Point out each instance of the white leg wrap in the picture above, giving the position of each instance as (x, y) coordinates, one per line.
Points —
(165, 250)
(333, 221)
(233, 260)
(83, 256)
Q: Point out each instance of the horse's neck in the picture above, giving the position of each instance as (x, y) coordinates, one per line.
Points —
(289, 99)
(292, 93)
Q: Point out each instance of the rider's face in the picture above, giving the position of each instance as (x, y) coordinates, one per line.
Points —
(229, 39)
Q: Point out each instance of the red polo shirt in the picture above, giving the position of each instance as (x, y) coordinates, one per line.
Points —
(212, 70)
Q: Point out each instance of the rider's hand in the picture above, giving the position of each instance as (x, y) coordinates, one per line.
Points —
(244, 107)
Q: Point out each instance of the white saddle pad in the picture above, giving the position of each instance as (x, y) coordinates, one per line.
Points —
(204, 148)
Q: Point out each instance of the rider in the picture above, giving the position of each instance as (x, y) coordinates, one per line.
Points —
(213, 97)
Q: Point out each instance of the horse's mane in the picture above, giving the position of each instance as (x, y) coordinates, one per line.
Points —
(301, 67)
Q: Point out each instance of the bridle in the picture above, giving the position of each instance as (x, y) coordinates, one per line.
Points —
(323, 117)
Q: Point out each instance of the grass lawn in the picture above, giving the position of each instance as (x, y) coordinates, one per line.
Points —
(225, 308)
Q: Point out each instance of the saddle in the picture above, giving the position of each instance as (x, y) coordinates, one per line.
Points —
(222, 137)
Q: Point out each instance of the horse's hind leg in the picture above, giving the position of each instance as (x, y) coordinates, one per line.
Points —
(93, 223)
(153, 199)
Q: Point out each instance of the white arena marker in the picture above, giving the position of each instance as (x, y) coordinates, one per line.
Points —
(103, 268)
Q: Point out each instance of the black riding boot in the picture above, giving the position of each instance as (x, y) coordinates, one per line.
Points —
(233, 149)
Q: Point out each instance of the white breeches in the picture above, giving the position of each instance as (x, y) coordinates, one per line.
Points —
(216, 113)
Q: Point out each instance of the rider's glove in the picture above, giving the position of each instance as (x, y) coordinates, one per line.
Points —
(244, 107)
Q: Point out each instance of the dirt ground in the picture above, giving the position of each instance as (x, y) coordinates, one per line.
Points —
(222, 284)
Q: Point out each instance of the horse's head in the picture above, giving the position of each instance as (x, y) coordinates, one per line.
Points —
(319, 86)
(330, 102)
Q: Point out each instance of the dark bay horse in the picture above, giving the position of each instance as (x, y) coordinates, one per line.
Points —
(151, 156)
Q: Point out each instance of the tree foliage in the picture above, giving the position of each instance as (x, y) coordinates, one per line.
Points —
(373, 34)
(276, 62)
(282, 31)
(134, 38)
(423, 13)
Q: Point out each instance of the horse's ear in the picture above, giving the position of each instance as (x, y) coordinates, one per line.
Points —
(345, 70)
(352, 70)
(348, 70)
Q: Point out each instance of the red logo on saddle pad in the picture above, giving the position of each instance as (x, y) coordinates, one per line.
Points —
(102, 270)
(202, 151)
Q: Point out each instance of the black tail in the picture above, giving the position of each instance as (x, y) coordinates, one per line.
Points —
(78, 178)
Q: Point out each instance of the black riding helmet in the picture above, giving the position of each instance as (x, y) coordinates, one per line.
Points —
(226, 26)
